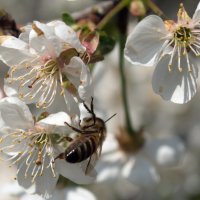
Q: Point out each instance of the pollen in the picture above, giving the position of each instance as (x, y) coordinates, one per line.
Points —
(183, 36)
(36, 150)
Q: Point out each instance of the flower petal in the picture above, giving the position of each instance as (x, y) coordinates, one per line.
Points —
(146, 41)
(178, 87)
(196, 16)
(85, 89)
(140, 172)
(45, 40)
(15, 87)
(15, 114)
(67, 34)
(165, 152)
(78, 193)
(56, 123)
(73, 70)
(109, 166)
(44, 185)
(13, 51)
(71, 106)
(74, 172)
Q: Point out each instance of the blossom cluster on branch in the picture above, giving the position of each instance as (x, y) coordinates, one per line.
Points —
(49, 79)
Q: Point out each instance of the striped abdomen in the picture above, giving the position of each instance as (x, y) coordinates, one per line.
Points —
(81, 149)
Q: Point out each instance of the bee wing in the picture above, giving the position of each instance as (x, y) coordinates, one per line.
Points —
(92, 160)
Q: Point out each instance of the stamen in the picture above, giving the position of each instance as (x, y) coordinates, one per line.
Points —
(171, 58)
(38, 148)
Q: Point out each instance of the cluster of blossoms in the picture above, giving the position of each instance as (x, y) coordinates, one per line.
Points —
(173, 47)
(47, 68)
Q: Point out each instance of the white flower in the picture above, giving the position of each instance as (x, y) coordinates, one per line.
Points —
(70, 193)
(173, 47)
(46, 65)
(140, 168)
(32, 146)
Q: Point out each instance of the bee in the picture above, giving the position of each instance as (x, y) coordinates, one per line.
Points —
(89, 143)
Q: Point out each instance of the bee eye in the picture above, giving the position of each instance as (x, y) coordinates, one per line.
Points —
(88, 119)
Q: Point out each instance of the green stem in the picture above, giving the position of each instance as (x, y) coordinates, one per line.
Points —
(122, 27)
(155, 9)
(112, 13)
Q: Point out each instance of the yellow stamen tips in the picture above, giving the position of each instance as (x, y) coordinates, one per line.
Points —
(180, 69)
(62, 92)
(182, 14)
(170, 68)
(3, 38)
(21, 96)
(169, 25)
(37, 30)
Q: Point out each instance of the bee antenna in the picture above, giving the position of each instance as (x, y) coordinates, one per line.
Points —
(110, 118)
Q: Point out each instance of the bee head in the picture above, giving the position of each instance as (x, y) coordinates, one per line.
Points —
(90, 122)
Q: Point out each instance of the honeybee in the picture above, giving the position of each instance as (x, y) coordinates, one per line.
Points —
(89, 143)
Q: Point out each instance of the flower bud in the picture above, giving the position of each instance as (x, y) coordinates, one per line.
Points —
(137, 8)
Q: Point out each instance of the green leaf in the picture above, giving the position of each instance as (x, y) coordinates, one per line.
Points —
(68, 19)
(106, 44)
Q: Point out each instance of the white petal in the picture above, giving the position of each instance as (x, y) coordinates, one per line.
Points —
(15, 114)
(74, 172)
(9, 145)
(43, 185)
(14, 51)
(109, 167)
(57, 119)
(145, 42)
(13, 88)
(32, 197)
(110, 144)
(196, 16)
(178, 87)
(71, 105)
(141, 172)
(11, 188)
(46, 184)
(48, 31)
(55, 123)
(48, 41)
(78, 193)
(68, 35)
(24, 36)
(43, 46)
(73, 70)
(13, 43)
(85, 90)
(79, 75)
(165, 152)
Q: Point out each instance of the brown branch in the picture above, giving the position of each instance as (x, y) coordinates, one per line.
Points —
(96, 12)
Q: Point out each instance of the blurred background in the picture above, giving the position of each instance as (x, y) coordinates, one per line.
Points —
(167, 167)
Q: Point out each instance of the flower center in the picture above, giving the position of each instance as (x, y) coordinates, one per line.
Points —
(184, 40)
(183, 36)
(32, 148)
(41, 77)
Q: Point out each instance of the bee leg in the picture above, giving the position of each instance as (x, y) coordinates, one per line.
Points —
(91, 110)
(87, 167)
(60, 156)
(75, 129)
(69, 139)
